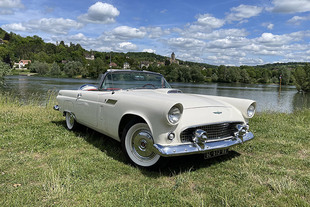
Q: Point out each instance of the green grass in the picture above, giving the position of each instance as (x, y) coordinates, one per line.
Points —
(43, 164)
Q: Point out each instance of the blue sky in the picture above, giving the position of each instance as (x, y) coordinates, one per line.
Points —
(219, 32)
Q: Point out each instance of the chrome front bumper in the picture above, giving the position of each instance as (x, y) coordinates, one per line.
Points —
(187, 149)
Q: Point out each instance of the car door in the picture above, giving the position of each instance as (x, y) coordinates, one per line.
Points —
(108, 113)
(87, 108)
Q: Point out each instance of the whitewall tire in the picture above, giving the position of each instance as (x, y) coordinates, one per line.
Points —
(70, 121)
(137, 143)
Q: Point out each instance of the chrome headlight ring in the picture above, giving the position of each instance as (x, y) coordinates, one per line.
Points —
(175, 113)
(251, 110)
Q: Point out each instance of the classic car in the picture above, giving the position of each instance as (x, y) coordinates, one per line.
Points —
(153, 120)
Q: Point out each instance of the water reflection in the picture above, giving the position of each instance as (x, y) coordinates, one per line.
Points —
(301, 101)
(268, 97)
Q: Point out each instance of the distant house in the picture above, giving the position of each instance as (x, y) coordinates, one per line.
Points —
(160, 64)
(1, 41)
(144, 64)
(112, 65)
(126, 65)
(89, 56)
(23, 63)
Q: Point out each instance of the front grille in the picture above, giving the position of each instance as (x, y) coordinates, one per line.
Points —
(214, 131)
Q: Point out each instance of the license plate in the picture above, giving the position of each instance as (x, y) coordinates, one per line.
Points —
(216, 153)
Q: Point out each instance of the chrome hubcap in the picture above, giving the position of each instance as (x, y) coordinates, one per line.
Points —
(71, 120)
(142, 145)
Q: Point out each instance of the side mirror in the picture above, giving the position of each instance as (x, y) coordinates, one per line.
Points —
(88, 87)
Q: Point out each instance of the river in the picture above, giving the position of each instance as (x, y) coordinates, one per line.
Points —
(268, 97)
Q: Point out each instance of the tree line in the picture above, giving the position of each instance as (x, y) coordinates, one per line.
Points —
(69, 60)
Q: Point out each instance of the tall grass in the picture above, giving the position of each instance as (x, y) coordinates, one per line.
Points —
(43, 164)
(34, 99)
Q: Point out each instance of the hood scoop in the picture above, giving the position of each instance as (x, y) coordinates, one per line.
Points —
(174, 91)
(168, 90)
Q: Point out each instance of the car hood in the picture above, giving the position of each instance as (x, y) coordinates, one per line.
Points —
(187, 100)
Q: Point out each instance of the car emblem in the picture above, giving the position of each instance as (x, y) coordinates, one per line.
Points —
(217, 112)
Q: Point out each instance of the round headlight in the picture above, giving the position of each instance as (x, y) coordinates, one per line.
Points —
(175, 114)
(251, 110)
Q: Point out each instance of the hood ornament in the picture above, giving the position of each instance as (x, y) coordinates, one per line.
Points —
(217, 112)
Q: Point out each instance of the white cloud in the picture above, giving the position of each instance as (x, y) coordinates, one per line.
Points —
(268, 25)
(208, 20)
(186, 43)
(190, 57)
(100, 13)
(290, 6)
(126, 46)
(55, 26)
(125, 32)
(269, 39)
(243, 12)
(78, 36)
(202, 28)
(298, 36)
(14, 27)
(154, 32)
(205, 23)
(9, 6)
(149, 50)
(217, 34)
(51, 25)
(228, 42)
(296, 20)
(221, 59)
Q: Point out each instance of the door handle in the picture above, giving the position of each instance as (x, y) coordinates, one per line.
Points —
(79, 95)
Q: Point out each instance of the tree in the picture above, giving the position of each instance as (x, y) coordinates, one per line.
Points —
(233, 75)
(72, 68)
(222, 73)
(285, 76)
(196, 75)
(4, 70)
(40, 67)
(245, 78)
(7, 37)
(55, 70)
(173, 75)
(302, 78)
(214, 77)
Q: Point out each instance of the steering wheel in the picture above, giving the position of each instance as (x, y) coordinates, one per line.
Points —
(148, 84)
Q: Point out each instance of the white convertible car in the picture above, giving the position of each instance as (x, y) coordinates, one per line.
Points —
(152, 120)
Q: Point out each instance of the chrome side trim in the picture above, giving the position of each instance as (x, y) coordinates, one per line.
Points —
(187, 149)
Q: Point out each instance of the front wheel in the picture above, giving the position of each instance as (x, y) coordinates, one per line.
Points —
(137, 143)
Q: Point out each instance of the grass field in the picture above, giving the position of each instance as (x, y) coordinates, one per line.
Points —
(43, 164)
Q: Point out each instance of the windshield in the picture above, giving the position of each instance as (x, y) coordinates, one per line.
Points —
(117, 80)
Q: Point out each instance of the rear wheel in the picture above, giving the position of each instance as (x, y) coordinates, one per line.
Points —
(137, 144)
(70, 121)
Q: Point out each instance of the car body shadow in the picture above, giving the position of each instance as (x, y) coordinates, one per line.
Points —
(171, 166)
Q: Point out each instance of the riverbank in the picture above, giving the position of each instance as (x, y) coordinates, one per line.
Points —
(43, 164)
(27, 72)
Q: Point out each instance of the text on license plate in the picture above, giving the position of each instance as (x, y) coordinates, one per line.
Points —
(216, 153)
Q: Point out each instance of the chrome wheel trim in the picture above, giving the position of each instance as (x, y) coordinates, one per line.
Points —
(139, 145)
(70, 120)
